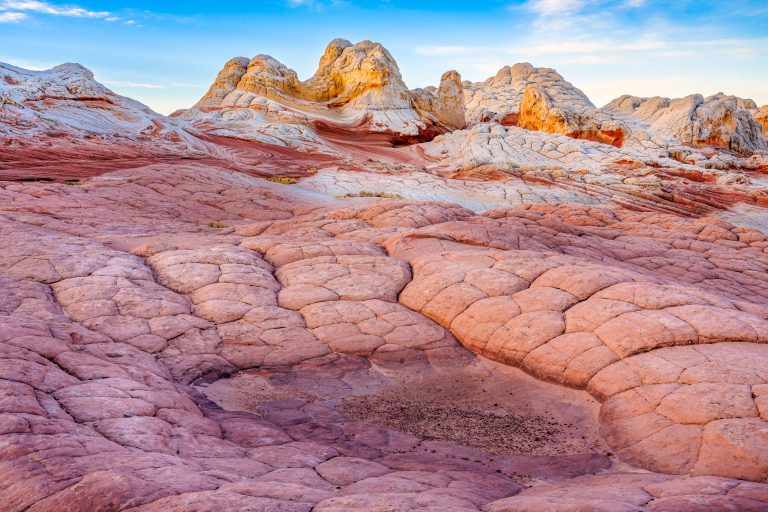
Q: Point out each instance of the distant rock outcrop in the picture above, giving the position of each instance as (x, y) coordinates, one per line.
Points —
(63, 113)
(445, 102)
(540, 99)
(226, 82)
(719, 120)
(358, 89)
(762, 116)
(540, 110)
(44, 102)
(355, 86)
(498, 98)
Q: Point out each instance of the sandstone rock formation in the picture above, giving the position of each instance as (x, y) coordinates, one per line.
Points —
(63, 113)
(719, 120)
(539, 111)
(226, 82)
(506, 318)
(540, 99)
(594, 323)
(119, 294)
(446, 102)
(762, 117)
(354, 86)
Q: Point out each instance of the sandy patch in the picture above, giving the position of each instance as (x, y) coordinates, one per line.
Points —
(486, 406)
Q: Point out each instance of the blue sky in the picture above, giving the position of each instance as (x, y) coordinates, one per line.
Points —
(167, 53)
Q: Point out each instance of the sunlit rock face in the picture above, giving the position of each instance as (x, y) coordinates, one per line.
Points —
(355, 86)
(285, 298)
(761, 116)
(719, 120)
(540, 99)
(446, 102)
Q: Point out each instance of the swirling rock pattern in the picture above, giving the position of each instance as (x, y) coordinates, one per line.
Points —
(540, 99)
(108, 324)
(575, 324)
(355, 86)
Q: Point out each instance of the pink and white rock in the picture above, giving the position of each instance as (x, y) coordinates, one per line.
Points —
(540, 99)
(64, 114)
(538, 322)
(719, 120)
(356, 87)
(761, 116)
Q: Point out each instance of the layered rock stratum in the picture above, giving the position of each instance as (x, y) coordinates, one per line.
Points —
(540, 99)
(340, 294)
(355, 86)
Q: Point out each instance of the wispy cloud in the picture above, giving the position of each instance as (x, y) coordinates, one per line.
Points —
(555, 7)
(11, 17)
(603, 51)
(143, 85)
(583, 47)
(316, 5)
(560, 15)
(17, 10)
(136, 85)
(433, 51)
(25, 64)
(48, 8)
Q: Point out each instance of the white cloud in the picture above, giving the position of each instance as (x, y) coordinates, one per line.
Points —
(16, 10)
(136, 85)
(568, 16)
(590, 59)
(48, 8)
(643, 45)
(555, 7)
(567, 8)
(11, 17)
(564, 48)
(25, 64)
(144, 85)
(316, 5)
(431, 51)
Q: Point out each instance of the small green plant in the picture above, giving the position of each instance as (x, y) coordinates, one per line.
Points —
(73, 182)
(284, 180)
(370, 194)
(217, 225)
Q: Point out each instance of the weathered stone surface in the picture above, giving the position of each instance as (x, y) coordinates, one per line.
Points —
(540, 99)
(356, 87)
(718, 120)
(186, 336)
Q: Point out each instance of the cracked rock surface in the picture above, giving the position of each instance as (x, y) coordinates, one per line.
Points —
(198, 339)
(488, 297)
